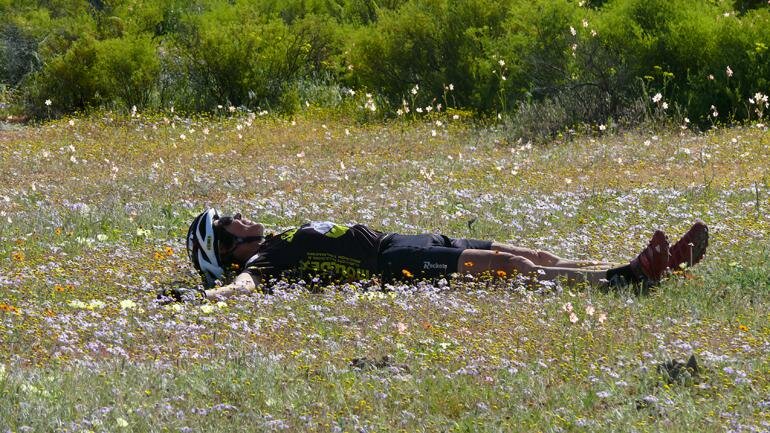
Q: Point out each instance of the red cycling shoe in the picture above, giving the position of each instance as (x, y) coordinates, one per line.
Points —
(650, 265)
(690, 249)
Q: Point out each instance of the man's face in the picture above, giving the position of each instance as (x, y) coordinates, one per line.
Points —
(241, 227)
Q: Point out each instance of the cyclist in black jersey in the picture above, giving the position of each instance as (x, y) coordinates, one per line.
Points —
(331, 252)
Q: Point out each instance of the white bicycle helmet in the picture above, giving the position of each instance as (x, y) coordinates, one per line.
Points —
(203, 247)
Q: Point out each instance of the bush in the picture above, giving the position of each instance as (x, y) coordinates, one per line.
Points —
(127, 70)
(236, 57)
(593, 59)
(18, 51)
(430, 44)
(68, 80)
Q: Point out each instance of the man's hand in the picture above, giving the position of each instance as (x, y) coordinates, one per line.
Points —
(181, 294)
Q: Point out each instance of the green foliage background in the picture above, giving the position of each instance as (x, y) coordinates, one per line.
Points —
(563, 62)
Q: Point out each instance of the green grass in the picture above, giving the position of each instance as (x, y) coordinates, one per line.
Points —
(84, 231)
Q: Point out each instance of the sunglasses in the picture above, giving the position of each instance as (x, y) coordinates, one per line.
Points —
(227, 220)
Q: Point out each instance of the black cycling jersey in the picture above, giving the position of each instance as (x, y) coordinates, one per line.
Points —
(335, 252)
(323, 249)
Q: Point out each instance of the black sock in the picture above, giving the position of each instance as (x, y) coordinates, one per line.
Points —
(621, 275)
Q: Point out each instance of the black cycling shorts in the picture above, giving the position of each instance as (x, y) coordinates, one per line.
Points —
(423, 256)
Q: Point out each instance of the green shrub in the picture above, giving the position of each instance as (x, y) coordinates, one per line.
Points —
(598, 61)
(69, 81)
(401, 50)
(127, 70)
(430, 44)
(237, 57)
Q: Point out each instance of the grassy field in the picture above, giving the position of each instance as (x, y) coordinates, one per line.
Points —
(92, 218)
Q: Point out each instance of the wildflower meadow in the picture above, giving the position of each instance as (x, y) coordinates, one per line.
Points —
(94, 210)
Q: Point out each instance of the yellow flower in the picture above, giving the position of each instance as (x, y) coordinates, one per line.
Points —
(121, 422)
(743, 328)
(406, 273)
(127, 304)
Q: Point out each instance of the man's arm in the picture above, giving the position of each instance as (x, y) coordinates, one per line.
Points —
(244, 283)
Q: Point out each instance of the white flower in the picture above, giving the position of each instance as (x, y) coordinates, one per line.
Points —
(121, 422)
(603, 394)
(602, 317)
(657, 97)
(711, 77)
(207, 308)
(567, 307)
(501, 62)
(76, 303)
(48, 102)
(127, 304)
(176, 307)
(572, 31)
(729, 72)
(451, 86)
(415, 89)
(664, 105)
(573, 318)
(602, 127)
(231, 109)
(590, 310)
(95, 304)
(455, 117)
(418, 109)
(432, 132)
(400, 112)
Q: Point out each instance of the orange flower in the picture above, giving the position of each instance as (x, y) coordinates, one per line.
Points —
(18, 256)
(469, 264)
(406, 273)
(743, 328)
(8, 308)
(169, 251)
(501, 273)
(59, 288)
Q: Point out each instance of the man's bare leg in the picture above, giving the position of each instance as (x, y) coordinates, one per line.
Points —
(546, 259)
(484, 261)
